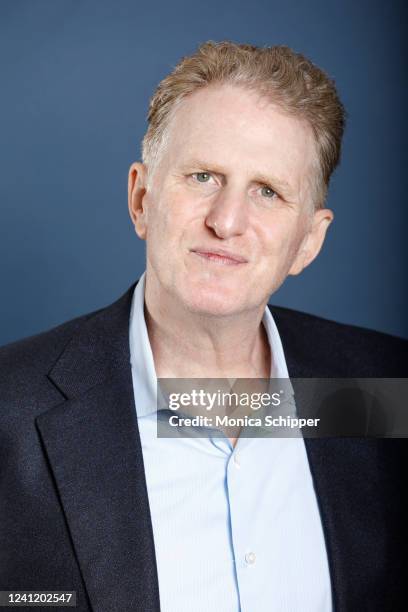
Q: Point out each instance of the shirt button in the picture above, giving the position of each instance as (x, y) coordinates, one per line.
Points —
(237, 460)
(250, 558)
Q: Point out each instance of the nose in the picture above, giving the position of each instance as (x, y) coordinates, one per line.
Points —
(227, 216)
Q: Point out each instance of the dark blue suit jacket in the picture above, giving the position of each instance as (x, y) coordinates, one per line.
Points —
(74, 512)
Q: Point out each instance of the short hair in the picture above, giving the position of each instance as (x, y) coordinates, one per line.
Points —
(288, 79)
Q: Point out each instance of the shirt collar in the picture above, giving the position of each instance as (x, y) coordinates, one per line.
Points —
(141, 356)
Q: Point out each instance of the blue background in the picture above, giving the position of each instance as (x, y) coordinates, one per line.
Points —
(76, 77)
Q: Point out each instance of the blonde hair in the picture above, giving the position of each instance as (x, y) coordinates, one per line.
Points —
(288, 79)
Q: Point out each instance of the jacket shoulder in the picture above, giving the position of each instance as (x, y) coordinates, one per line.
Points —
(28, 362)
(23, 361)
(338, 349)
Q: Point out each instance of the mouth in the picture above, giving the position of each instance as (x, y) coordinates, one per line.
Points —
(220, 256)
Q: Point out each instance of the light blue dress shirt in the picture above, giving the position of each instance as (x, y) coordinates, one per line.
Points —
(236, 529)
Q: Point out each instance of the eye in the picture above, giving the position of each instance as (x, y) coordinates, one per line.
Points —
(202, 177)
(268, 192)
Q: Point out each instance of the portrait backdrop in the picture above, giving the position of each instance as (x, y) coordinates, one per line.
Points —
(76, 78)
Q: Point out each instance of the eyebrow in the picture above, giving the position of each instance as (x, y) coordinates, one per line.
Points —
(275, 182)
(261, 178)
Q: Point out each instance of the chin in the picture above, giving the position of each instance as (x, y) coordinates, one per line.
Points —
(209, 301)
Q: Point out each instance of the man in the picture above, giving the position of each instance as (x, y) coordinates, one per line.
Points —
(230, 198)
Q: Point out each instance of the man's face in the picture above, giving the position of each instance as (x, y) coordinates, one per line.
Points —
(227, 213)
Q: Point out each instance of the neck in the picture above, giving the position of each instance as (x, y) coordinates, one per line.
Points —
(194, 345)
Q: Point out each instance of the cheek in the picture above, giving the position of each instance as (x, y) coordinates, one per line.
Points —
(179, 212)
(158, 218)
(280, 241)
(274, 237)
(169, 218)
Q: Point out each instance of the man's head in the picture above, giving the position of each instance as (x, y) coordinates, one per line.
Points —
(237, 159)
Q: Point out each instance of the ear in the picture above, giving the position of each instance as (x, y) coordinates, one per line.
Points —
(313, 241)
(136, 198)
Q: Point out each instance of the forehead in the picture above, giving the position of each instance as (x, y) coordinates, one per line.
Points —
(228, 125)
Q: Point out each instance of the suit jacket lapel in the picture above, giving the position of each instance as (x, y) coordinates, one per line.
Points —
(93, 446)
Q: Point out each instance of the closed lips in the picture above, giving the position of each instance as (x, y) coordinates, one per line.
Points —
(220, 255)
